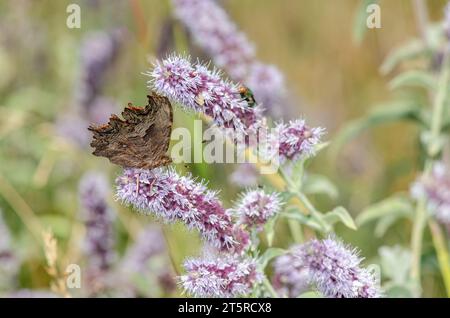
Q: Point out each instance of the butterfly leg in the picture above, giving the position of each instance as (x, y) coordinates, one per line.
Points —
(137, 185)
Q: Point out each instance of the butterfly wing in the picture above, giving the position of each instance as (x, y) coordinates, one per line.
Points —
(139, 140)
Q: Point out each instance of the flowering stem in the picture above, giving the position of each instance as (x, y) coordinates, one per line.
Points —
(435, 144)
(305, 201)
(442, 253)
(313, 211)
(433, 149)
(416, 240)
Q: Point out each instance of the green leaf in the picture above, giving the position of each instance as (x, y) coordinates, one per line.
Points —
(413, 78)
(303, 219)
(405, 52)
(385, 223)
(269, 229)
(359, 23)
(318, 184)
(397, 205)
(297, 175)
(390, 112)
(270, 254)
(340, 214)
(395, 263)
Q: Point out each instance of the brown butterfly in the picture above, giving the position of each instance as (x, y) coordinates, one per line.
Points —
(139, 140)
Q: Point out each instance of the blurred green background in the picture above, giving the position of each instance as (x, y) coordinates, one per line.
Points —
(331, 79)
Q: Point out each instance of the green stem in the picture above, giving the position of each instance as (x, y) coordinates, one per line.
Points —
(313, 211)
(270, 288)
(416, 240)
(292, 188)
(434, 146)
(433, 149)
(442, 253)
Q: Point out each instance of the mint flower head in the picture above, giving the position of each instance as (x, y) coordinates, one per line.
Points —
(214, 31)
(220, 276)
(268, 84)
(256, 207)
(180, 198)
(294, 140)
(435, 188)
(290, 276)
(335, 270)
(202, 90)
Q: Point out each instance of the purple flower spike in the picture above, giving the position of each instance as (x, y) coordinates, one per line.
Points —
(335, 270)
(291, 277)
(267, 83)
(435, 188)
(256, 207)
(294, 141)
(9, 263)
(201, 90)
(214, 31)
(173, 197)
(98, 52)
(98, 218)
(220, 276)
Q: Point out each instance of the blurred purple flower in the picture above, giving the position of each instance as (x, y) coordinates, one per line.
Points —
(149, 243)
(447, 20)
(268, 86)
(203, 91)
(435, 188)
(32, 293)
(73, 127)
(294, 141)
(290, 277)
(256, 207)
(98, 52)
(150, 247)
(335, 270)
(98, 218)
(9, 263)
(100, 110)
(220, 276)
(173, 197)
(245, 175)
(214, 31)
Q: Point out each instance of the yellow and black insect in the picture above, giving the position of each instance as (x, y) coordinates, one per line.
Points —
(247, 95)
